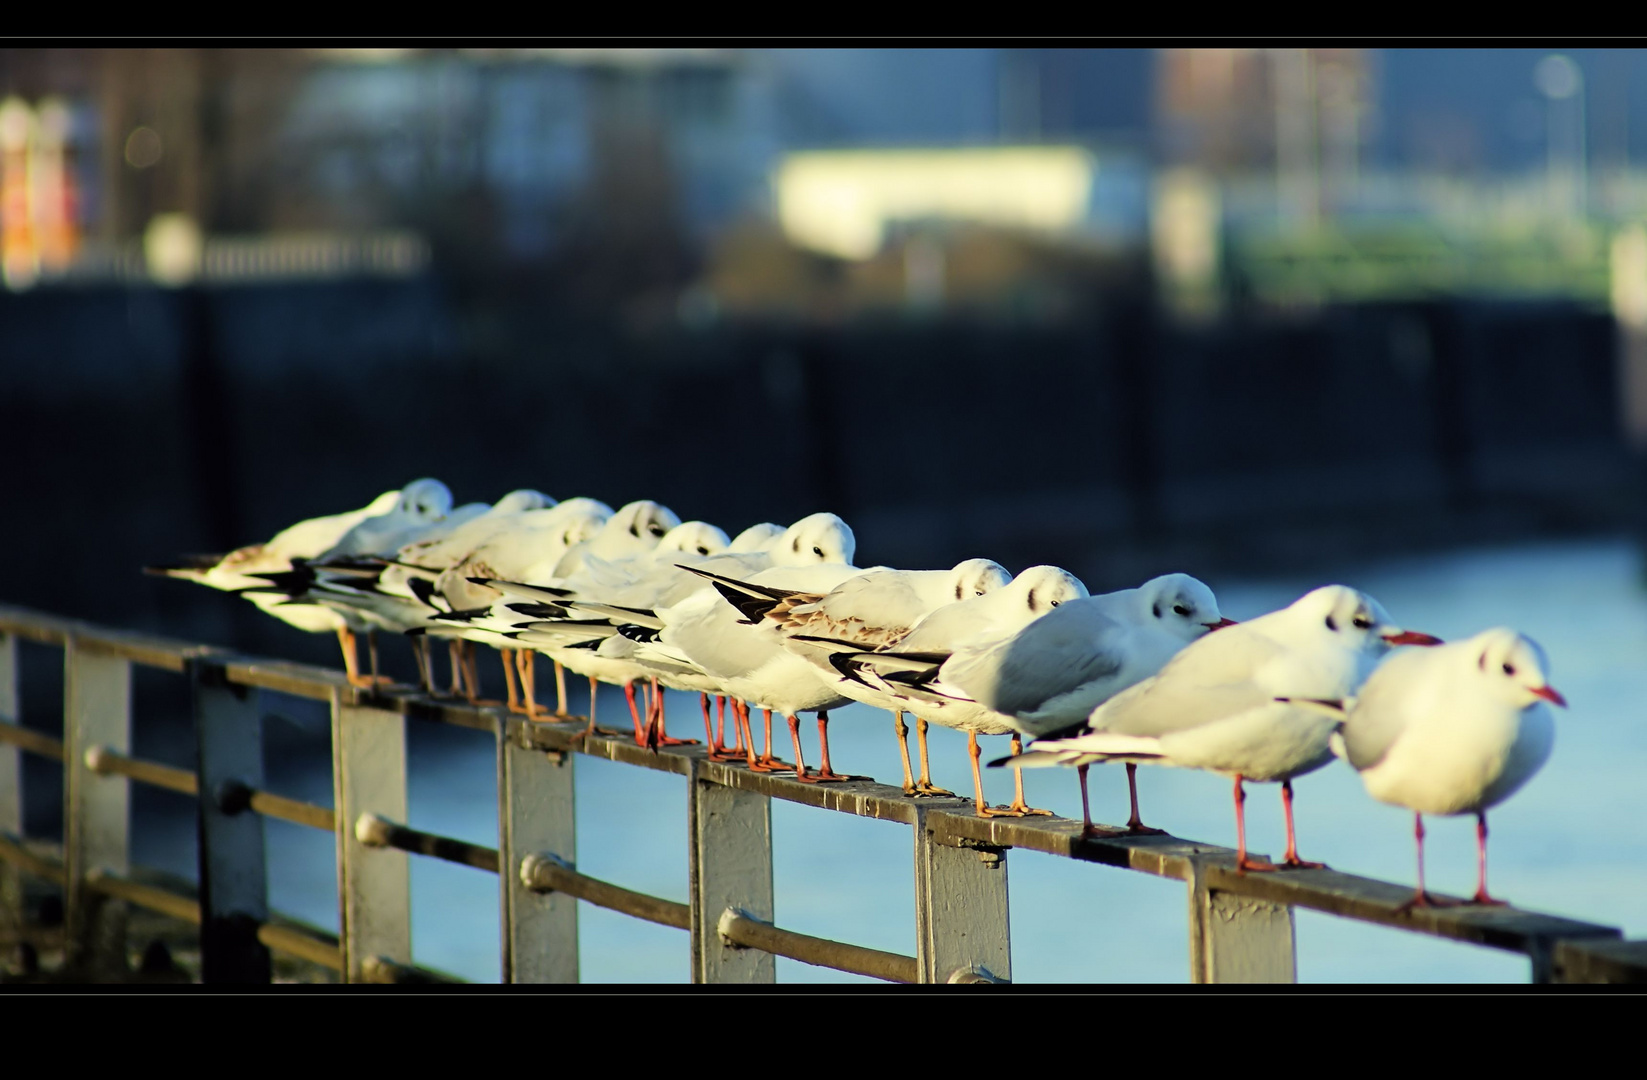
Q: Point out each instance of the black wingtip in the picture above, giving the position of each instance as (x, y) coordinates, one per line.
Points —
(752, 608)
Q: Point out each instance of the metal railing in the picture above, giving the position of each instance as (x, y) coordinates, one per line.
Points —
(1241, 925)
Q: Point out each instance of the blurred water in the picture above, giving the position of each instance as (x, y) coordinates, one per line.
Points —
(1573, 842)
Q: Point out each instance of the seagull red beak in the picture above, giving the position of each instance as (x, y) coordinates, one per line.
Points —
(1219, 625)
(1412, 637)
(1548, 693)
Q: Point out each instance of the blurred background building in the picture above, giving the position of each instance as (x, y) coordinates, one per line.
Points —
(1115, 307)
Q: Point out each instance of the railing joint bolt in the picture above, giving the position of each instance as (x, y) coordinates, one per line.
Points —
(232, 797)
(373, 831)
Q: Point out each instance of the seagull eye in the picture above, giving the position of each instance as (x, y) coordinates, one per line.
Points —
(1055, 603)
(703, 551)
(1509, 669)
(979, 592)
(818, 551)
(1362, 622)
(656, 530)
(1180, 609)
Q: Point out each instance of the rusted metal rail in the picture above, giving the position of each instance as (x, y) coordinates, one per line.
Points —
(1241, 925)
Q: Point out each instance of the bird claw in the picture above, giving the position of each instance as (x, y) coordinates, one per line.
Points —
(1138, 828)
(1425, 900)
(1025, 810)
(1100, 832)
(1481, 899)
(997, 811)
(1295, 863)
(1256, 866)
(929, 791)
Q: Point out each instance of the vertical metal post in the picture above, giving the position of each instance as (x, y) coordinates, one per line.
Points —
(961, 924)
(96, 712)
(731, 867)
(1234, 939)
(536, 806)
(11, 781)
(234, 897)
(374, 884)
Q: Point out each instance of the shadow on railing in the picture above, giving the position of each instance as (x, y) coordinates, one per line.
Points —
(1241, 926)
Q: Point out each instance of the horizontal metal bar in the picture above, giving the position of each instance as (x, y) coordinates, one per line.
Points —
(380, 969)
(544, 873)
(33, 741)
(739, 929)
(1347, 895)
(374, 830)
(317, 948)
(323, 951)
(106, 762)
(1600, 962)
(13, 851)
(293, 810)
(102, 760)
(145, 896)
(146, 649)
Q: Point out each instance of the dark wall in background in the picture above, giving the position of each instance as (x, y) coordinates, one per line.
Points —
(140, 424)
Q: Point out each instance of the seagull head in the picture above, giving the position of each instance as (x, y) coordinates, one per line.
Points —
(975, 577)
(522, 500)
(1041, 588)
(816, 538)
(425, 500)
(1355, 619)
(645, 521)
(1181, 605)
(1513, 666)
(756, 538)
(694, 538)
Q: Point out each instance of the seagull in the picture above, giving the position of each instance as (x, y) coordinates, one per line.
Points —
(704, 632)
(876, 610)
(1215, 704)
(247, 568)
(891, 678)
(1452, 730)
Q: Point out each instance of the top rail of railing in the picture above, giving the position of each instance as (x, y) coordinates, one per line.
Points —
(1576, 945)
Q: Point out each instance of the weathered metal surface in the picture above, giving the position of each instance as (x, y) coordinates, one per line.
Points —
(228, 730)
(298, 680)
(536, 813)
(295, 942)
(146, 649)
(543, 872)
(960, 906)
(1369, 900)
(293, 810)
(736, 928)
(1237, 939)
(377, 831)
(1603, 961)
(374, 884)
(11, 774)
(730, 864)
(381, 969)
(97, 712)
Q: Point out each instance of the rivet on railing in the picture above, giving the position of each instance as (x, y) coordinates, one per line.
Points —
(373, 831)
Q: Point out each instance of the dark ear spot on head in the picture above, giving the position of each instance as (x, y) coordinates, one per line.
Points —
(1482, 663)
(1032, 599)
(796, 545)
(634, 529)
(1332, 624)
(1157, 609)
(958, 587)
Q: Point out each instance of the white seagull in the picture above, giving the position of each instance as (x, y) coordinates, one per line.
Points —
(1452, 730)
(895, 678)
(248, 568)
(1214, 705)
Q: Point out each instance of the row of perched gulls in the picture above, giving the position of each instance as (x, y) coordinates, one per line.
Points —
(781, 620)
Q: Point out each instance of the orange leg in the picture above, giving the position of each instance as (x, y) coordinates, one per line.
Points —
(1135, 824)
(514, 704)
(560, 692)
(982, 804)
(634, 713)
(766, 762)
(925, 786)
(661, 736)
(351, 662)
(1292, 861)
(524, 666)
(825, 773)
(901, 729)
(795, 738)
(1242, 862)
(1018, 802)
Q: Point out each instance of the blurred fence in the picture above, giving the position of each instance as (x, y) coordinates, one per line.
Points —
(1240, 925)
